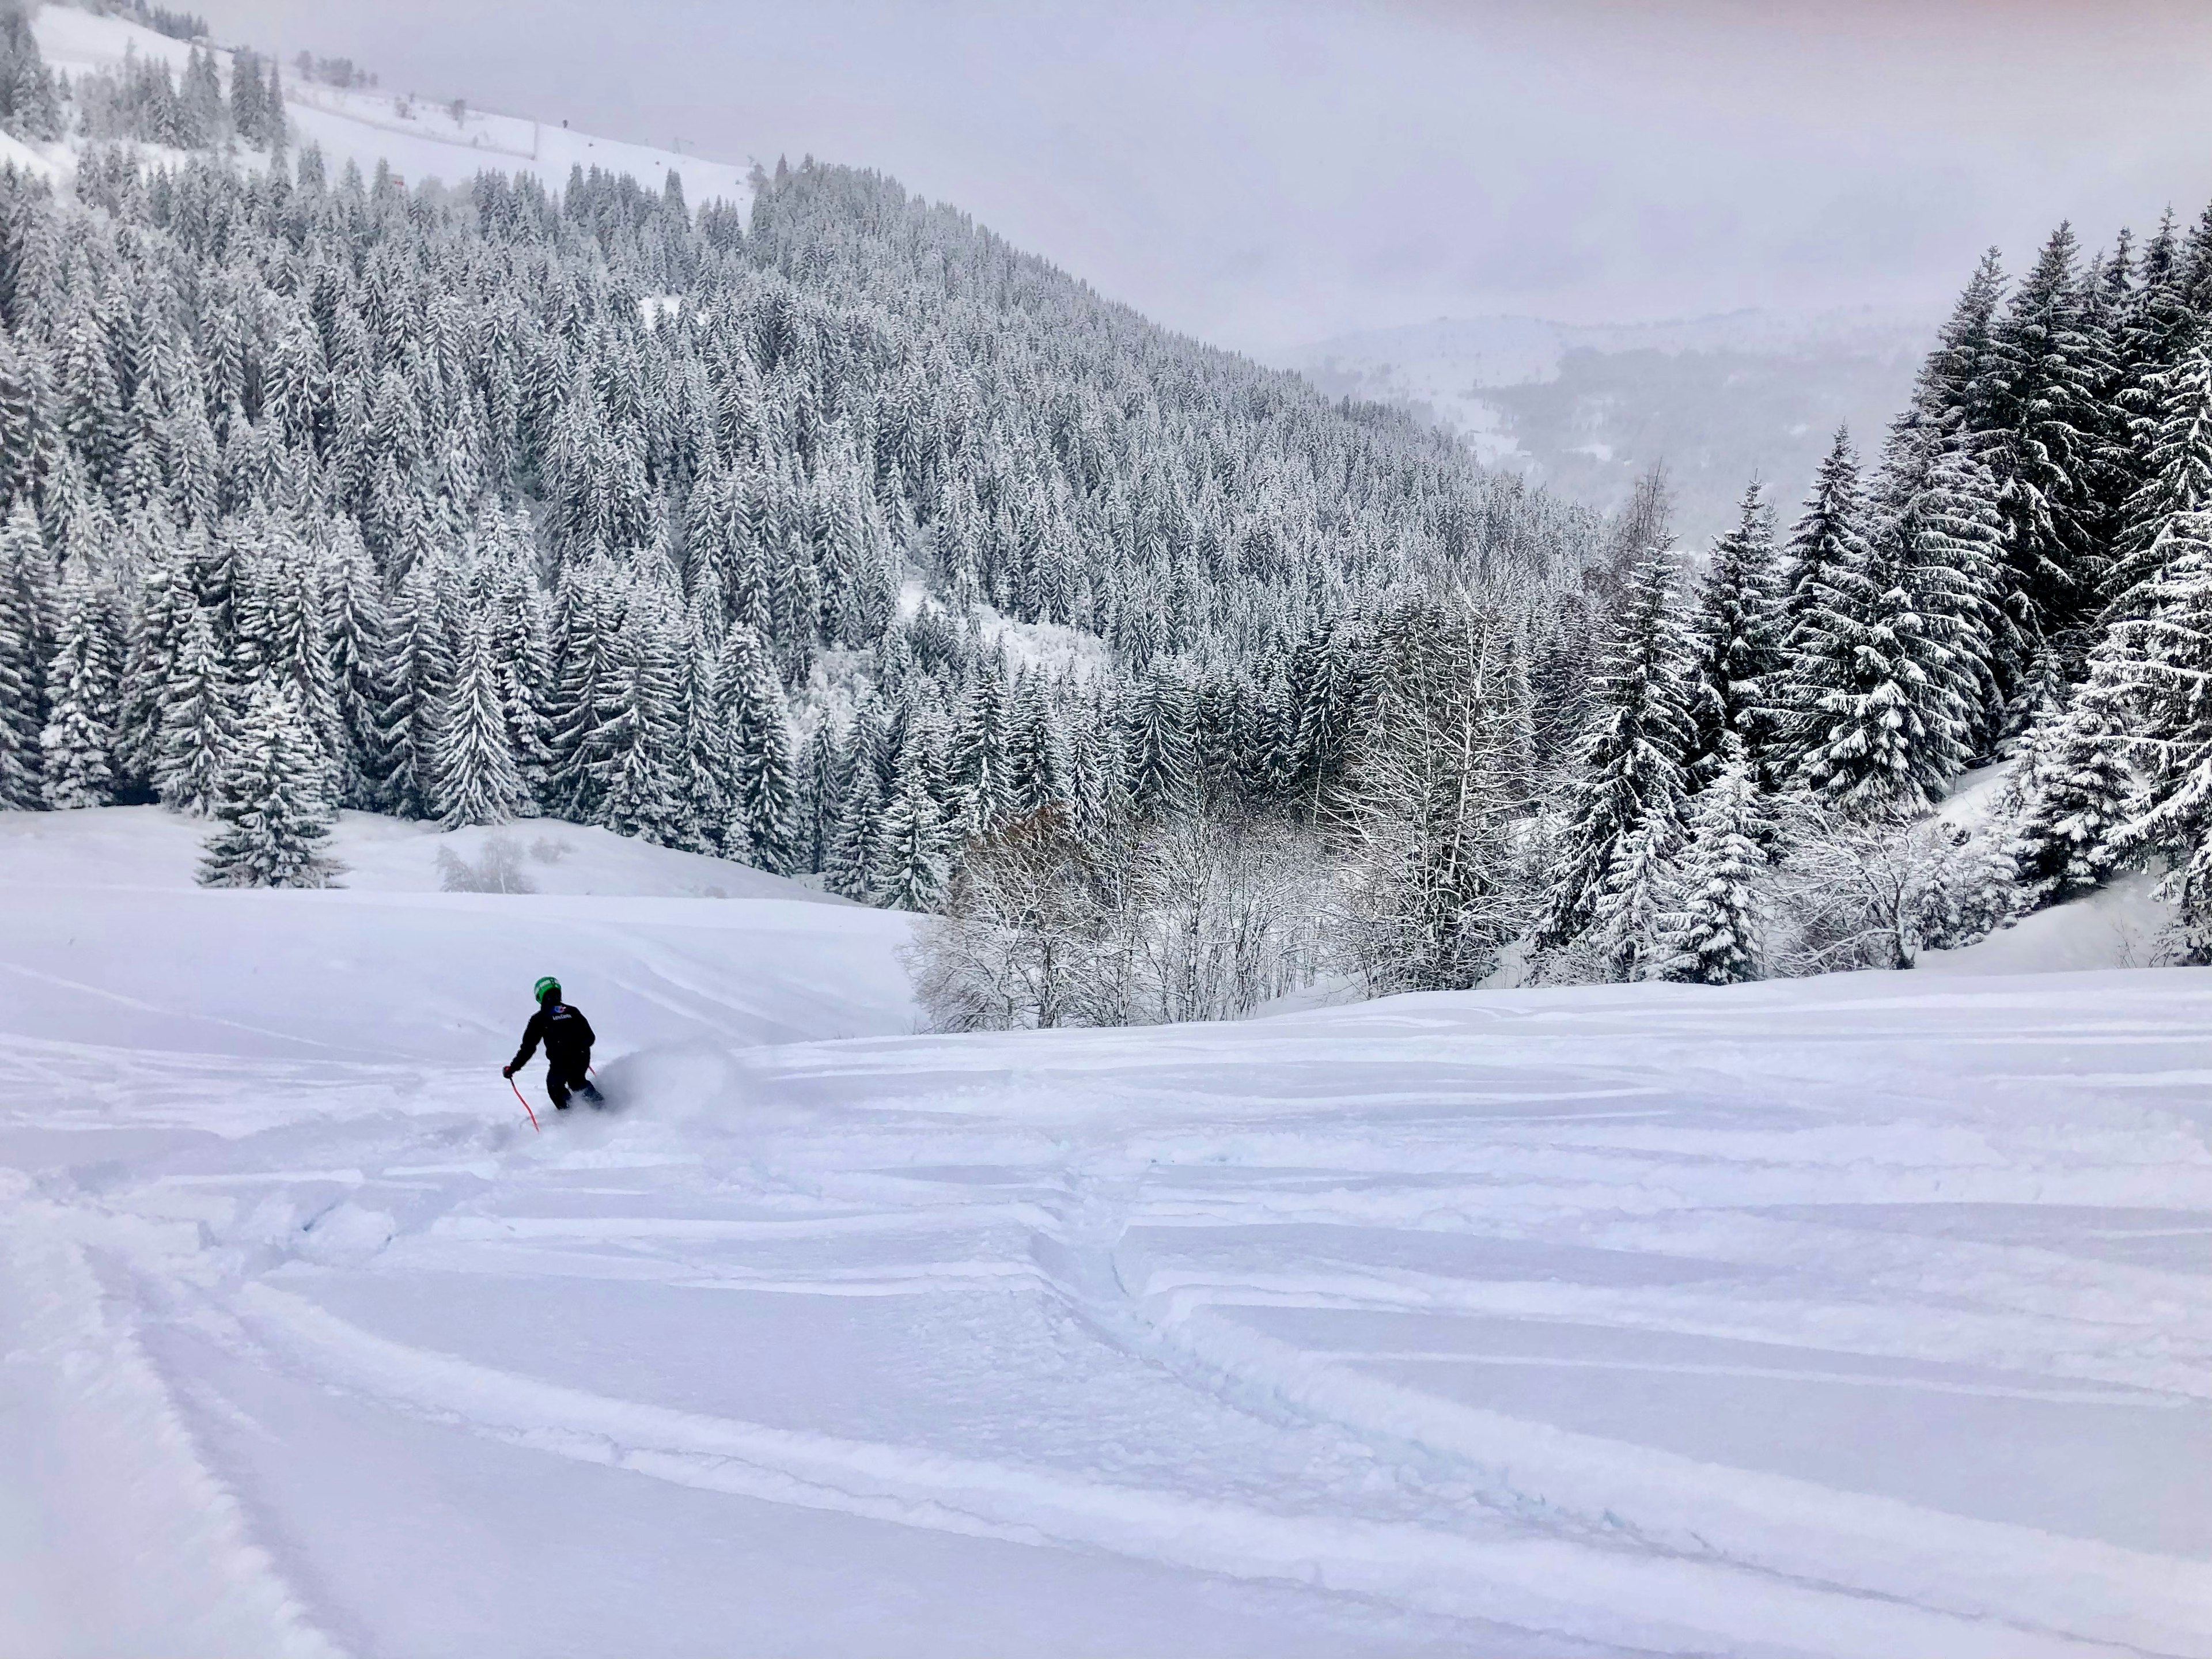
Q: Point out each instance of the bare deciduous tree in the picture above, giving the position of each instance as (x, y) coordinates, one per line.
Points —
(1431, 820)
(1863, 893)
(1203, 916)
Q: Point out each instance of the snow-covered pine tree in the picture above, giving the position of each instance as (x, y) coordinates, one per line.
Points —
(276, 803)
(2176, 427)
(1629, 931)
(23, 432)
(1944, 392)
(29, 104)
(198, 734)
(1631, 775)
(821, 795)
(296, 642)
(2156, 662)
(706, 786)
(475, 776)
(2036, 423)
(913, 850)
(981, 769)
(1163, 769)
(414, 676)
(587, 640)
(1828, 538)
(1716, 933)
(1562, 670)
(155, 635)
(1099, 765)
(1882, 729)
(1737, 651)
(92, 410)
(763, 810)
(527, 681)
(2156, 329)
(847, 867)
(359, 650)
(83, 684)
(1948, 538)
(2140, 700)
(24, 577)
(637, 739)
(2072, 785)
(1325, 688)
(1037, 755)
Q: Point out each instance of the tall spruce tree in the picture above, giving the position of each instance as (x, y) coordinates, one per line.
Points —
(24, 567)
(2073, 785)
(475, 777)
(1882, 730)
(1734, 641)
(2157, 660)
(1948, 539)
(2037, 424)
(1631, 776)
(1163, 768)
(1716, 933)
(2137, 711)
(1827, 540)
(847, 864)
(414, 678)
(199, 730)
(764, 804)
(84, 683)
(912, 861)
(277, 802)
(154, 637)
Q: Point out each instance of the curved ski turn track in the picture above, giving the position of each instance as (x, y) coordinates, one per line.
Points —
(1861, 1316)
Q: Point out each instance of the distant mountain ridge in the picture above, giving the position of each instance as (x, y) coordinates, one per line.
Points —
(1587, 408)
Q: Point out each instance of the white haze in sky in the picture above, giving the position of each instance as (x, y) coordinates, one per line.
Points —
(1262, 175)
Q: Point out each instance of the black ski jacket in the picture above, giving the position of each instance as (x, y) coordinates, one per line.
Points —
(566, 1033)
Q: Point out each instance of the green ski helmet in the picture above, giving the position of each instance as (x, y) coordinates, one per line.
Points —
(547, 987)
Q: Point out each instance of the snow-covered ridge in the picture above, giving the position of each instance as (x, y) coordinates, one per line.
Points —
(419, 139)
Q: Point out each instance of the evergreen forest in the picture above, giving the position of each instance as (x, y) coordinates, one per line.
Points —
(838, 536)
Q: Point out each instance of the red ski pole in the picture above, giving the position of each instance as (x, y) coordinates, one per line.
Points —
(525, 1105)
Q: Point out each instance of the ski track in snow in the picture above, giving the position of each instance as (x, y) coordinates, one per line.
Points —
(1818, 1318)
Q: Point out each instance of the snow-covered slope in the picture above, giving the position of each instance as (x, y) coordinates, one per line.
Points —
(420, 139)
(1861, 1315)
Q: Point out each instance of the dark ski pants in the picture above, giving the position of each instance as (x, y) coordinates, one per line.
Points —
(560, 1081)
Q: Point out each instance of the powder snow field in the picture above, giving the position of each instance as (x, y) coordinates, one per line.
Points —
(419, 137)
(1869, 1315)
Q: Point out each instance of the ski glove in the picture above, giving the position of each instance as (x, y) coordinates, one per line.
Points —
(507, 1070)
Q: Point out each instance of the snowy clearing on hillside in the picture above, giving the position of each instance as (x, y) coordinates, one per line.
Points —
(420, 138)
(1862, 1315)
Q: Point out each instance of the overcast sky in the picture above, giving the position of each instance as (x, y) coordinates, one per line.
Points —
(1266, 175)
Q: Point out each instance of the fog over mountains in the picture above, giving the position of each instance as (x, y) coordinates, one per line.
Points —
(1586, 409)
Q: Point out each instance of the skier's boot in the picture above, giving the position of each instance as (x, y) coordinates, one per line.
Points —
(592, 1093)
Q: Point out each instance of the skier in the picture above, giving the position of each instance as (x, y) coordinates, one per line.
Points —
(568, 1038)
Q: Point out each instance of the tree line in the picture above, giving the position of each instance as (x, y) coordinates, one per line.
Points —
(506, 501)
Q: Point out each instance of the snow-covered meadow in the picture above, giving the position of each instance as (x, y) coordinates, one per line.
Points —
(1862, 1315)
